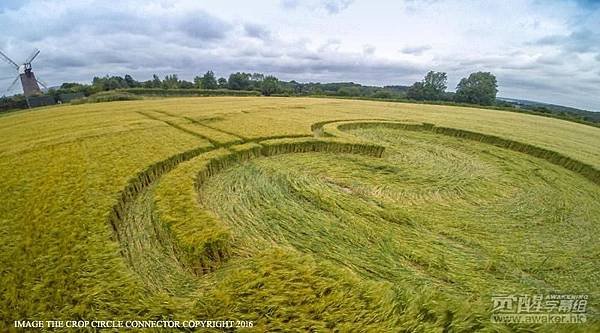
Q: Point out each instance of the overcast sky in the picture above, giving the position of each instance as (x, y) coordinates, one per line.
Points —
(540, 50)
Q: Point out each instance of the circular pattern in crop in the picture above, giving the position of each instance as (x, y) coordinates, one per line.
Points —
(432, 214)
(298, 215)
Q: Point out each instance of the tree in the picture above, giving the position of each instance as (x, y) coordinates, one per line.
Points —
(416, 91)
(382, 94)
(295, 87)
(257, 77)
(208, 81)
(156, 83)
(171, 82)
(269, 85)
(131, 83)
(72, 86)
(479, 88)
(183, 84)
(239, 81)
(435, 85)
(432, 87)
(222, 83)
(348, 91)
(108, 83)
(256, 80)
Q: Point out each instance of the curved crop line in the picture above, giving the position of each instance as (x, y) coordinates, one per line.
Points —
(205, 253)
(591, 173)
(141, 181)
(317, 128)
(202, 253)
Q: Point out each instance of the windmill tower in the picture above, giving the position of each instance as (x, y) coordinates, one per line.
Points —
(25, 73)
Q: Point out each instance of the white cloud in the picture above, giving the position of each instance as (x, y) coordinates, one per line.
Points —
(538, 50)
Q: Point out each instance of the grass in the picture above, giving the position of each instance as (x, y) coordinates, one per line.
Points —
(188, 92)
(194, 208)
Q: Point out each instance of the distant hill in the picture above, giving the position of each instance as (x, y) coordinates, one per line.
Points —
(552, 108)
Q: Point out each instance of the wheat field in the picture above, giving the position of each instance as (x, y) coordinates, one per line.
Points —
(298, 214)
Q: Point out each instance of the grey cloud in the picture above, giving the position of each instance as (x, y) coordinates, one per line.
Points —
(296, 61)
(579, 41)
(78, 43)
(270, 54)
(336, 6)
(290, 3)
(518, 62)
(551, 60)
(490, 63)
(413, 6)
(516, 81)
(64, 61)
(544, 88)
(256, 31)
(76, 20)
(484, 61)
(35, 24)
(11, 4)
(415, 50)
(521, 66)
(345, 69)
(304, 55)
(330, 45)
(253, 52)
(201, 25)
(329, 6)
(368, 49)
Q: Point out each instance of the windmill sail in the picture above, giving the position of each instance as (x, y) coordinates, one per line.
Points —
(13, 83)
(28, 80)
(9, 60)
(32, 56)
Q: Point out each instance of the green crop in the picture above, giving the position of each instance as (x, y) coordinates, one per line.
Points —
(297, 214)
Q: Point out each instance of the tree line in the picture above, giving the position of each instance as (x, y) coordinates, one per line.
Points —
(479, 88)
(267, 85)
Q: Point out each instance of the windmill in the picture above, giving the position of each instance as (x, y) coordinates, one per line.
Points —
(25, 73)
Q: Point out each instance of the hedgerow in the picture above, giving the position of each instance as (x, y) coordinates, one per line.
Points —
(188, 92)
